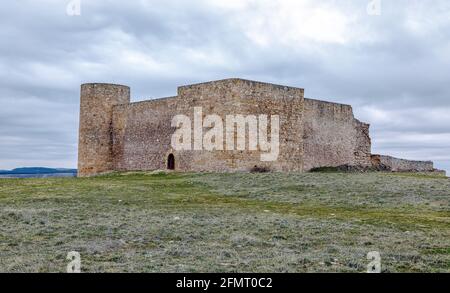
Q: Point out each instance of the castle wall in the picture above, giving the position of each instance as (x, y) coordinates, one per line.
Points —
(96, 109)
(333, 137)
(142, 134)
(236, 96)
(142, 131)
(123, 136)
(401, 165)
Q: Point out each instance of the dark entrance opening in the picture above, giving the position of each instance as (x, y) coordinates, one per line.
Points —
(171, 162)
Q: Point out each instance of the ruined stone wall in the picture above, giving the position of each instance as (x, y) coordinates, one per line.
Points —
(401, 165)
(333, 137)
(142, 131)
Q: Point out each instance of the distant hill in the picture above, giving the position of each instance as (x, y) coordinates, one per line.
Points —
(37, 170)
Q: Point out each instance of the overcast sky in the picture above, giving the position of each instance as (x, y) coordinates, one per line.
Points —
(393, 68)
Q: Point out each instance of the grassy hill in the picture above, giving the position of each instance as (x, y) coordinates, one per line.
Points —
(147, 222)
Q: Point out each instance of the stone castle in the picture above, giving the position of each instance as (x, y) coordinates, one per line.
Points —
(116, 135)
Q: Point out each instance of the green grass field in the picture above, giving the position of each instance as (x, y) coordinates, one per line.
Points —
(271, 222)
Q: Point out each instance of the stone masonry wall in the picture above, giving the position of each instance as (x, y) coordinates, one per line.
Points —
(118, 135)
(142, 134)
(333, 137)
(142, 131)
(401, 165)
(96, 109)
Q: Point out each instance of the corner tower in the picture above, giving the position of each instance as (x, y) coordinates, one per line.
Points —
(95, 135)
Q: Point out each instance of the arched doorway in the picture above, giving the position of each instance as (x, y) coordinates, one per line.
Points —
(171, 162)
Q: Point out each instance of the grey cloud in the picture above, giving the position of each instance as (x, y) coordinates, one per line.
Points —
(154, 46)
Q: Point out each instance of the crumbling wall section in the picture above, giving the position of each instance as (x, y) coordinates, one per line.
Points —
(402, 165)
(333, 137)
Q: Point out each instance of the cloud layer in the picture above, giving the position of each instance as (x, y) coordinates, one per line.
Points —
(393, 68)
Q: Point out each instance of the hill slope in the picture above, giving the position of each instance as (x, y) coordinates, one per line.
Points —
(226, 222)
